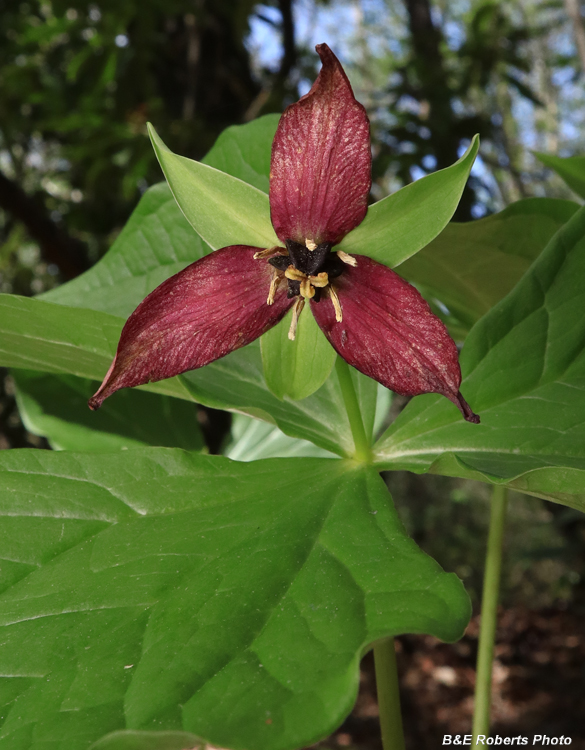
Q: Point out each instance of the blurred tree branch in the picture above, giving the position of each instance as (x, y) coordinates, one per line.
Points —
(573, 10)
(270, 97)
(434, 93)
(289, 55)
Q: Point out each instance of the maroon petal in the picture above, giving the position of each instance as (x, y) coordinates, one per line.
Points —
(212, 307)
(320, 174)
(389, 333)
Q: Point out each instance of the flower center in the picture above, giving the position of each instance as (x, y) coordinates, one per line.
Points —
(308, 270)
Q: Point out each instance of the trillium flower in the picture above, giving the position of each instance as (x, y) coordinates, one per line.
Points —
(320, 178)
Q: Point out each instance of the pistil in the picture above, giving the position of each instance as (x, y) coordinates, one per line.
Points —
(307, 290)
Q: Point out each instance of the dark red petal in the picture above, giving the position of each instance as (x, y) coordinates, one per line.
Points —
(320, 174)
(212, 307)
(389, 333)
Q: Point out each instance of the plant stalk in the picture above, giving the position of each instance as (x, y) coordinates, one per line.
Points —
(363, 450)
(489, 609)
(384, 654)
(388, 695)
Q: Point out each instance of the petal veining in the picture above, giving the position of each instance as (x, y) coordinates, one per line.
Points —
(204, 312)
(389, 333)
(320, 173)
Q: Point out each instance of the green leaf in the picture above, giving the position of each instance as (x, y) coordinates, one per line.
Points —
(152, 596)
(401, 224)
(252, 439)
(296, 368)
(222, 209)
(472, 266)
(55, 406)
(41, 336)
(524, 367)
(570, 169)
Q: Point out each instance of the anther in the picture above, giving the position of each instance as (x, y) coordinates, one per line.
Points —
(336, 304)
(298, 306)
(274, 284)
(311, 245)
(269, 252)
(350, 260)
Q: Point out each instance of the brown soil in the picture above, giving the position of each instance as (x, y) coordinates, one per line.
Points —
(539, 684)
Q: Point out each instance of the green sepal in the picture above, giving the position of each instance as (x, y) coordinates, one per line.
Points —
(403, 223)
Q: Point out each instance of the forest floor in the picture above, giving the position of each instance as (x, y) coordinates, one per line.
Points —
(539, 685)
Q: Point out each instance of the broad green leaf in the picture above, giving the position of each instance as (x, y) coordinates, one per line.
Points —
(252, 439)
(132, 740)
(55, 406)
(296, 368)
(42, 336)
(472, 266)
(156, 243)
(524, 367)
(177, 592)
(571, 169)
(244, 151)
(401, 224)
(222, 209)
(36, 335)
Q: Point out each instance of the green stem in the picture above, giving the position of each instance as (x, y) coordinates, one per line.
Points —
(388, 695)
(384, 654)
(363, 450)
(489, 609)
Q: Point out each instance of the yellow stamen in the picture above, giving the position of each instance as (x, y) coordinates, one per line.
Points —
(310, 245)
(336, 304)
(294, 275)
(274, 284)
(275, 250)
(299, 304)
(307, 290)
(351, 261)
(321, 280)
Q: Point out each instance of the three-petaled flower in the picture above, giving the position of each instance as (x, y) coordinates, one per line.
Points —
(320, 178)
